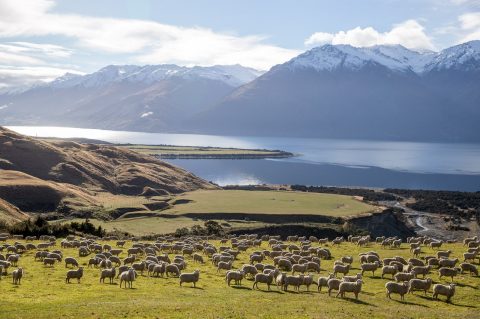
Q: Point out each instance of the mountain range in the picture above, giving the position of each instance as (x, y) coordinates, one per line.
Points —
(332, 91)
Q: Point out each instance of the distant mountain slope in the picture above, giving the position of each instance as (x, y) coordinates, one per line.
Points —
(338, 91)
(94, 167)
(129, 97)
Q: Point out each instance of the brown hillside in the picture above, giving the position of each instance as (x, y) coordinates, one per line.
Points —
(10, 213)
(31, 194)
(96, 167)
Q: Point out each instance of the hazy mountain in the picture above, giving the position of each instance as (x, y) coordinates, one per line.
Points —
(129, 97)
(338, 91)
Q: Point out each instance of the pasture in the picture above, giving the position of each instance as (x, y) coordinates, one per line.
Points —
(43, 292)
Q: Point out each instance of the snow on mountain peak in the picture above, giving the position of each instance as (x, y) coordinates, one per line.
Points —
(233, 75)
(394, 57)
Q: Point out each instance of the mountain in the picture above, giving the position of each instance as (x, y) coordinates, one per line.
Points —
(127, 97)
(339, 91)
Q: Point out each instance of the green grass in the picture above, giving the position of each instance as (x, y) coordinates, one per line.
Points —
(270, 202)
(194, 150)
(44, 294)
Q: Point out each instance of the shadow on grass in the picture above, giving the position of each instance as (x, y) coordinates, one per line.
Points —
(465, 285)
(240, 287)
(357, 301)
(268, 291)
(409, 303)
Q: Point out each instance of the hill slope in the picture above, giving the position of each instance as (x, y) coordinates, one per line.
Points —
(104, 168)
(338, 91)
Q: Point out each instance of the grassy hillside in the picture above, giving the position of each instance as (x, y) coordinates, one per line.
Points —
(269, 202)
(44, 294)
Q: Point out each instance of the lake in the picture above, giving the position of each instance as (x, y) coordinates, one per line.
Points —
(319, 161)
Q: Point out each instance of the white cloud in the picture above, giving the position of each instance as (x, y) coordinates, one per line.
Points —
(469, 27)
(18, 76)
(147, 41)
(410, 34)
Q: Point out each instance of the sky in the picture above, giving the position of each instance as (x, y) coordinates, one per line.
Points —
(44, 39)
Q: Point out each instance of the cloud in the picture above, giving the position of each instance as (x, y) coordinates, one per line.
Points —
(146, 41)
(410, 34)
(22, 76)
(469, 27)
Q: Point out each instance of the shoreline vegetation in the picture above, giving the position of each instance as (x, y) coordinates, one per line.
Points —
(204, 152)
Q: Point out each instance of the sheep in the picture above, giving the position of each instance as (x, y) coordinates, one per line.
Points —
(17, 275)
(445, 290)
(71, 261)
(128, 277)
(172, 269)
(421, 270)
(444, 262)
(416, 262)
(390, 270)
(308, 281)
(284, 264)
(192, 277)
(78, 274)
(472, 269)
(13, 259)
(403, 276)
(197, 258)
(249, 270)
(107, 273)
(294, 281)
(323, 281)
(396, 288)
(302, 268)
(417, 251)
(354, 287)
(343, 269)
(4, 265)
(352, 278)
(141, 266)
(83, 252)
(224, 265)
(436, 244)
(129, 260)
(234, 275)
(443, 254)
(313, 266)
(49, 261)
(263, 278)
(419, 284)
(333, 284)
(448, 272)
(469, 256)
(370, 267)
(115, 259)
(254, 258)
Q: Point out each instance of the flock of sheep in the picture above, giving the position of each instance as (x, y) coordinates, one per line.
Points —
(284, 264)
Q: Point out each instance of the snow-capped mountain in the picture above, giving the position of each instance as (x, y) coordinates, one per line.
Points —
(233, 75)
(339, 91)
(128, 97)
(393, 57)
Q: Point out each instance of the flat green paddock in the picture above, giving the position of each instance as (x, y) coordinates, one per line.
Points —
(43, 293)
(269, 202)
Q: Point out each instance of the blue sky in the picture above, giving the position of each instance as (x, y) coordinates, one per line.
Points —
(42, 39)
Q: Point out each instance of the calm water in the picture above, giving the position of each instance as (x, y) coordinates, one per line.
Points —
(320, 161)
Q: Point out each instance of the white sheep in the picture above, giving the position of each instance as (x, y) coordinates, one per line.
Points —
(445, 262)
(419, 284)
(172, 269)
(236, 275)
(49, 261)
(197, 258)
(403, 276)
(445, 290)
(421, 270)
(448, 272)
(354, 287)
(333, 284)
(71, 261)
(13, 259)
(295, 281)
(396, 288)
(263, 278)
(17, 275)
(128, 277)
(352, 278)
(302, 268)
(78, 274)
(389, 270)
(341, 268)
(308, 281)
(370, 267)
(323, 281)
(224, 265)
(472, 269)
(108, 273)
(192, 277)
